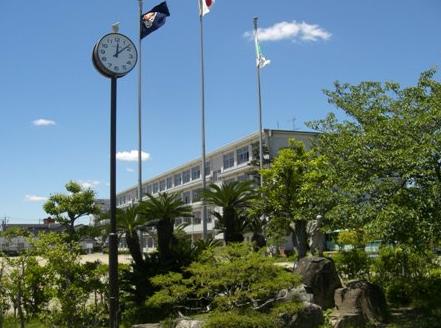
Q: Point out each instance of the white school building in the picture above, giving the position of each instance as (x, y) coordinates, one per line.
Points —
(237, 160)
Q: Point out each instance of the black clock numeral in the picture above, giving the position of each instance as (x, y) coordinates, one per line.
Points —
(129, 49)
(124, 41)
(130, 56)
(124, 67)
(103, 59)
(105, 45)
(117, 39)
(116, 68)
(109, 64)
(129, 62)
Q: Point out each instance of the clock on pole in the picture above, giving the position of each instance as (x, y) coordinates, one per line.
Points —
(114, 55)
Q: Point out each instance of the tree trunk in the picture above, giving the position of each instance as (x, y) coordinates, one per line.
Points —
(165, 239)
(300, 238)
(231, 232)
(132, 241)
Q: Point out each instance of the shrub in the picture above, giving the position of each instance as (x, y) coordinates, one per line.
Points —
(353, 264)
(233, 319)
(403, 273)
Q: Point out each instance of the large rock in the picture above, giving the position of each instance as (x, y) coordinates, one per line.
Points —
(320, 278)
(189, 324)
(311, 316)
(360, 301)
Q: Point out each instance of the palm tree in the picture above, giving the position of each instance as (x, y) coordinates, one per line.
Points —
(130, 222)
(234, 198)
(161, 212)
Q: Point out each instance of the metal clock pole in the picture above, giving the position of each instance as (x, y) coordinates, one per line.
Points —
(113, 62)
(113, 240)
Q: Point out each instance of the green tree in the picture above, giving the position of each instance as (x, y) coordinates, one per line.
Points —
(230, 278)
(233, 198)
(67, 209)
(385, 160)
(71, 282)
(129, 221)
(4, 301)
(26, 284)
(161, 212)
(292, 194)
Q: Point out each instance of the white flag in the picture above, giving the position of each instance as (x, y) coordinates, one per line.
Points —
(261, 61)
(206, 6)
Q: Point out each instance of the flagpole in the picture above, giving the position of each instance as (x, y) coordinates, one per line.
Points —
(204, 180)
(140, 3)
(259, 96)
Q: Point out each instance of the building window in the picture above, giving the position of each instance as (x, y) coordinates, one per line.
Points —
(150, 243)
(216, 175)
(162, 185)
(178, 221)
(207, 168)
(186, 197)
(155, 187)
(178, 179)
(149, 188)
(197, 217)
(228, 160)
(169, 182)
(196, 172)
(243, 155)
(197, 195)
(243, 177)
(186, 176)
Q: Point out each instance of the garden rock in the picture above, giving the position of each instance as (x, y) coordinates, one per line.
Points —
(148, 325)
(189, 324)
(311, 316)
(360, 300)
(320, 278)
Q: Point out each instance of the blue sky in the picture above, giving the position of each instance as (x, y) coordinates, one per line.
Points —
(47, 75)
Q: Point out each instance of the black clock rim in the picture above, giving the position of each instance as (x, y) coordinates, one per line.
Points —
(100, 66)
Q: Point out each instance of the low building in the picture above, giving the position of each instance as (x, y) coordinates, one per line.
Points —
(238, 160)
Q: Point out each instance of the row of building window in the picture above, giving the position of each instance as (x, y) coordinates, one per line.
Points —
(242, 156)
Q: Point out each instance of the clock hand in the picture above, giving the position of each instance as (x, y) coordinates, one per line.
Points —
(117, 50)
(122, 49)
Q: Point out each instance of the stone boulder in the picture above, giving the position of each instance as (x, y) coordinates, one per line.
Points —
(311, 316)
(320, 279)
(186, 323)
(360, 303)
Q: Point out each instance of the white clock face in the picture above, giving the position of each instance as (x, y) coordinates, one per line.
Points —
(116, 54)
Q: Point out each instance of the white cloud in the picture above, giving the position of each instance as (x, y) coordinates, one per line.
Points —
(89, 184)
(131, 156)
(293, 31)
(43, 122)
(35, 198)
(130, 170)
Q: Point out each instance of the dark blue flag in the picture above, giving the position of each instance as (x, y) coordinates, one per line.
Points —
(154, 19)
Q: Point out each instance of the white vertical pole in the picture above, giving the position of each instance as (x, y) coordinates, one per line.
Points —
(140, 3)
(204, 180)
(259, 95)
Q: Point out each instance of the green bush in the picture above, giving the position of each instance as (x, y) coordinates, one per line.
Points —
(405, 275)
(353, 264)
(233, 319)
(427, 293)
